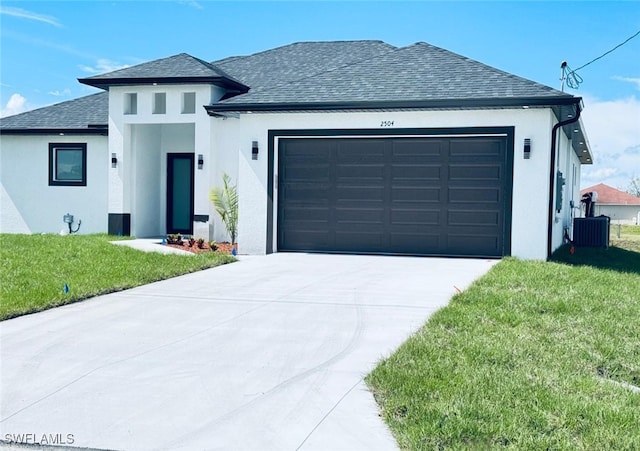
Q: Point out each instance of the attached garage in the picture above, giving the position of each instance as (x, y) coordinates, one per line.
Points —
(415, 193)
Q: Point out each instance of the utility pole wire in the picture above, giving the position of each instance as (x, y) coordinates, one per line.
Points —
(606, 53)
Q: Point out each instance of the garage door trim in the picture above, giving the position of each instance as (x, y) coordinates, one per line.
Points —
(507, 132)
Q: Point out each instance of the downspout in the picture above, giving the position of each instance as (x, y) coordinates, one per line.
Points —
(552, 174)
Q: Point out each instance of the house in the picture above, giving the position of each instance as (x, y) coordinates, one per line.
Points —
(621, 207)
(354, 146)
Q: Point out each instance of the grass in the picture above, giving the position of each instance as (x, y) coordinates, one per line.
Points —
(35, 268)
(626, 236)
(534, 355)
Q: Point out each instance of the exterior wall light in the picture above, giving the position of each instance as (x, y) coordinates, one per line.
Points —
(527, 148)
(114, 160)
(200, 161)
(254, 150)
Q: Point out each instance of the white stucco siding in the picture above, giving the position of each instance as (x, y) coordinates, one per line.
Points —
(30, 205)
(231, 151)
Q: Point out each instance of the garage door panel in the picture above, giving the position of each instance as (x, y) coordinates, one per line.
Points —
(415, 243)
(360, 241)
(360, 193)
(422, 195)
(309, 240)
(304, 149)
(477, 147)
(474, 218)
(415, 194)
(489, 195)
(414, 216)
(306, 213)
(417, 149)
(354, 151)
(306, 192)
(468, 172)
(360, 215)
(347, 172)
(416, 172)
(459, 244)
(307, 173)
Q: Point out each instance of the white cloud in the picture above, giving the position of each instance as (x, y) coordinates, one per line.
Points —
(635, 81)
(103, 66)
(16, 104)
(191, 3)
(58, 93)
(613, 130)
(24, 14)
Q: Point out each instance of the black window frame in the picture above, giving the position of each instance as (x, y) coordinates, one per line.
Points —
(53, 147)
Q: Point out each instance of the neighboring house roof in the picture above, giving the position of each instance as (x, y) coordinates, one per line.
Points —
(611, 196)
(181, 68)
(84, 115)
(417, 74)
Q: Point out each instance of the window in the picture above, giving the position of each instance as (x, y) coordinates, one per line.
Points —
(159, 103)
(68, 164)
(188, 103)
(131, 103)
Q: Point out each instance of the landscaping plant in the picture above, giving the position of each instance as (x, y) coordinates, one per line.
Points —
(225, 202)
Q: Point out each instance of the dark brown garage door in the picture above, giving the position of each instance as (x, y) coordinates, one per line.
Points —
(409, 195)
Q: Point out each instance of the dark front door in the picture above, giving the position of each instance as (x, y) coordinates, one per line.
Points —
(180, 193)
(401, 195)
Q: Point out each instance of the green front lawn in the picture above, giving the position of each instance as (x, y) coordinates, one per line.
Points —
(35, 268)
(626, 236)
(535, 355)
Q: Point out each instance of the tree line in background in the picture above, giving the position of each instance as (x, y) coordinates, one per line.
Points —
(634, 186)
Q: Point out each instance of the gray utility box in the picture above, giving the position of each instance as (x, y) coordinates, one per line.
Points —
(592, 232)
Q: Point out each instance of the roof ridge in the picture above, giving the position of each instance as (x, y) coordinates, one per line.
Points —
(213, 67)
(231, 58)
(352, 63)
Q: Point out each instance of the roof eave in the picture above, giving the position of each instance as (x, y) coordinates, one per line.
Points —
(98, 130)
(392, 104)
(106, 83)
(575, 131)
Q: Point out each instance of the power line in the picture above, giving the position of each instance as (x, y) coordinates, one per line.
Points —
(606, 53)
(573, 79)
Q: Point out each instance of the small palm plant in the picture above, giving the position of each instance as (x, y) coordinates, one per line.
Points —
(225, 202)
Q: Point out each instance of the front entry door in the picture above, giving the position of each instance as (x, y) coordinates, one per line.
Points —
(180, 193)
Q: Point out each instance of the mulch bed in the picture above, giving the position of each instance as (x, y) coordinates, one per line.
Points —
(221, 248)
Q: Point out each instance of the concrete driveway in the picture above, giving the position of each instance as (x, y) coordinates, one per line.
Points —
(265, 353)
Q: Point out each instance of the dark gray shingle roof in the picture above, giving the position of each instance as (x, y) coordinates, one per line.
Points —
(419, 72)
(299, 60)
(340, 72)
(72, 114)
(181, 66)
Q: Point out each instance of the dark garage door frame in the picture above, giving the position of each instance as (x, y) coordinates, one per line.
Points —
(506, 132)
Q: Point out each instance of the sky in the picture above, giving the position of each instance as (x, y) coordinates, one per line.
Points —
(45, 46)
